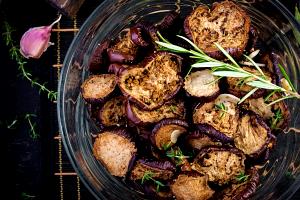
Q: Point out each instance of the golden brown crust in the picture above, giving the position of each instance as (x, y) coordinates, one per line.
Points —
(187, 187)
(155, 168)
(113, 112)
(171, 109)
(97, 87)
(239, 88)
(154, 83)
(223, 121)
(221, 165)
(226, 24)
(114, 151)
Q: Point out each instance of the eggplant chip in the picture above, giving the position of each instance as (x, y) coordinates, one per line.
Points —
(163, 170)
(239, 87)
(218, 119)
(167, 131)
(202, 84)
(172, 109)
(115, 150)
(155, 83)
(98, 87)
(191, 186)
(253, 135)
(244, 189)
(198, 140)
(113, 112)
(124, 50)
(259, 106)
(222, 165)
(225, 23)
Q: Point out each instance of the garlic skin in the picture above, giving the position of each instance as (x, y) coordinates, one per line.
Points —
(35, 41)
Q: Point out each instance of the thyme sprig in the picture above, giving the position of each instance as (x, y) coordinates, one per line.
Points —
(242, 177)
(230, 68)
(19, 59)
(177, 155)
(222, 108)
(276, 118)
(148, 176)
(33, 134)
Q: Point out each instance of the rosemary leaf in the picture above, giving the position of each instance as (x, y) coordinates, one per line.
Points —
(263, 85)
(191, 43)
(172, 47)
(227, 54)
(256, 66)
(230, 74)
(247, 95)
(162, 38)
(207, 64)
(283, 72)
(280, 99)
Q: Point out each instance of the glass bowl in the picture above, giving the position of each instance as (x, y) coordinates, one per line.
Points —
(279, 177)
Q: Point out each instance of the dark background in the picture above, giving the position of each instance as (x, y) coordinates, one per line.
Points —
(28, 165)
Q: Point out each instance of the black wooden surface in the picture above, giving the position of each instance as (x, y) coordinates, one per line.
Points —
(28, 165)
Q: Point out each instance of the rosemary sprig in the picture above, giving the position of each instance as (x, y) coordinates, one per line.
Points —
(177, 155)
(222, 108)
(148, 175)
(230, 69)
(19, 59)
(242, 177)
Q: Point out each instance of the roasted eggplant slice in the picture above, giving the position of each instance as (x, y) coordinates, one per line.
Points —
(98, 87)
(218, 119)
(253, 134)
(198, 140)
(115, 149)
(172, 109)
(155, 83)
(99, 57)
(239, 87)
(124, 50)
(113, 112)
(202, 84)
(222, 165)
(167, 131)
(158, 193)
(242, 190)
(225, 23)
(259, 106)
(163, 170)
(191, 186)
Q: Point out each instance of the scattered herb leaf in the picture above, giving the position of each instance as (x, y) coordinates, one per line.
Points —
(177, 155)
(242, 177)
(148, 176)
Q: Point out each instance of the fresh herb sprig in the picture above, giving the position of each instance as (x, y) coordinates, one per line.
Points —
(177, 155)
(276, 118)
(33, 134)
(148, 176)
(222, 108)
(242, 177)
(19, 59)
(230, 69)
